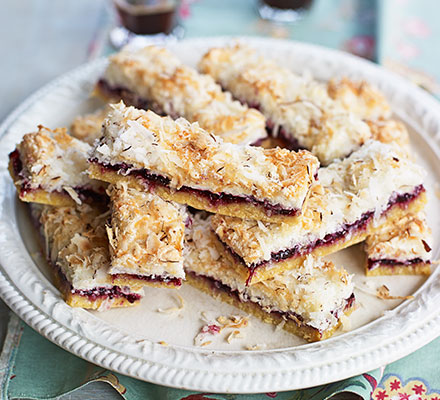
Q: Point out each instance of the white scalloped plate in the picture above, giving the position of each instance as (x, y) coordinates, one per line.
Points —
(127, 341)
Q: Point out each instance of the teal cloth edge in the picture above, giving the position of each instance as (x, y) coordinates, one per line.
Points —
(50, 382)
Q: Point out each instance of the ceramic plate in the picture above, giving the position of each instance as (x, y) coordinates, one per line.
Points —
(159, 347)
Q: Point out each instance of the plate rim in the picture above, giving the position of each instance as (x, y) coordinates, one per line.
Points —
(38, 317)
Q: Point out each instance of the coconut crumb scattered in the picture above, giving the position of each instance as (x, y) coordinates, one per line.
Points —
(234, 321)
(384, 293)
(214, 326)
(261, 346)
(206, 343)
(174, 310)
(234, 335)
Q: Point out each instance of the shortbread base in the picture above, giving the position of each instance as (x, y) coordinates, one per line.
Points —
(240, 210)
(267, 271)
(137, 283)
(308, 333)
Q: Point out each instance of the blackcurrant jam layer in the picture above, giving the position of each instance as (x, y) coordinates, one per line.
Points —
(287, 140)
(298, 319)
(130, 98)
(85, 194)
(94, 294)
(108, 293)
(400, 200)
(215, 199)
(386, 262)
(167, 280)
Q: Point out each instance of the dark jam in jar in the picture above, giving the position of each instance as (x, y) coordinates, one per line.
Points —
(289, 4)
(147, 17)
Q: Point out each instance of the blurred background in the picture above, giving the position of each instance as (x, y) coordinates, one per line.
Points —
(42, 39)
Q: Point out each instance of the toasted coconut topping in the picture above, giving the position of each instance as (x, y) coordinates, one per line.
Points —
(316, 291)
(78, 245)
(53, 160)
(296, 106)
(88, 127)
(146, 234)
(363, 182)
(189, 156)
(392, 132)
(359, 97)
(407, 239)
(156, 76)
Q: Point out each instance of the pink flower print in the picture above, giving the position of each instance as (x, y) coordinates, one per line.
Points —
(395, 385)
(418, 389)
(381, 395)
(185, 8)
(403, 396)
(417, 27)
(407, 50)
